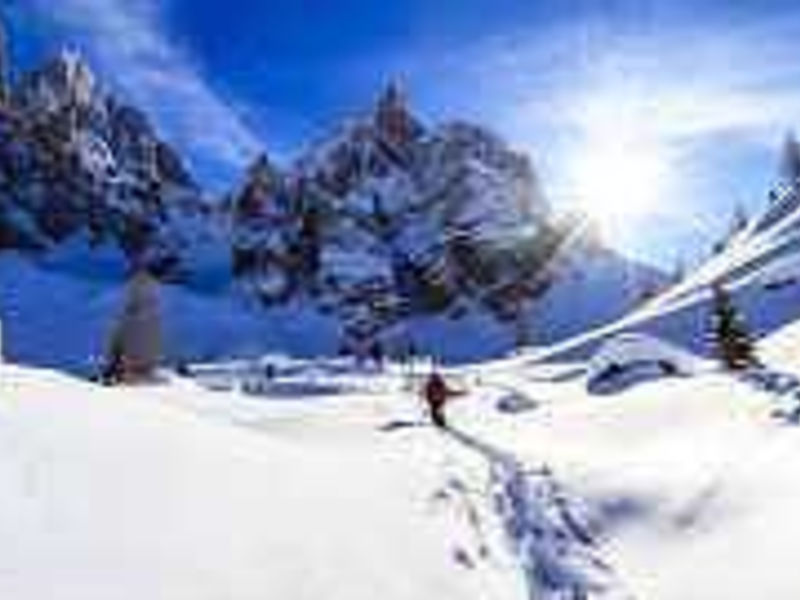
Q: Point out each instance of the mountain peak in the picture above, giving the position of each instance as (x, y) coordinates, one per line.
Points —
(393, 119)
(262, 173)
(392, 96)
(66, 80)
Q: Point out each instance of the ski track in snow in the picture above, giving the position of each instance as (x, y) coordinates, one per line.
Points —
(551, 540)
(553, 544)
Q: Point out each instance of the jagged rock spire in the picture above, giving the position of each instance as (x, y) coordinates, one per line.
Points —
(393, 119)
(75, 75)
(261, 184)
(392, 98)
(262, 173)
(64, 82)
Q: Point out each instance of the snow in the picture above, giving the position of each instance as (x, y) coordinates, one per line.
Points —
(635, 348)
(130, 494)
(690, 480)
(264, 476)
(326, 480)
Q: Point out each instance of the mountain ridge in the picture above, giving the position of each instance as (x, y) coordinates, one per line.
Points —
(396, 231)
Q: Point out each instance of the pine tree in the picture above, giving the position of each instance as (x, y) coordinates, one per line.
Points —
(135, 346)
(729, 334)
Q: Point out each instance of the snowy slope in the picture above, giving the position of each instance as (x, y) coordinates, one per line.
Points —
(173, 492)
(120, 495)
(691, 480)
(330, 483)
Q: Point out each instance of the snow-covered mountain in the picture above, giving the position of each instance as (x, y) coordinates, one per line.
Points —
(391, 231)
(422, 235)
(80, 168)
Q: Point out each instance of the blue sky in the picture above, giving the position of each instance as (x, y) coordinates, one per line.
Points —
(656, 117)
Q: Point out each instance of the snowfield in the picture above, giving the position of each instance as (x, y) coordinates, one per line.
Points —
(170, 493)
(330, 483)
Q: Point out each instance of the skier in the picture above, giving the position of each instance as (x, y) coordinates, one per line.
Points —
(437, 392)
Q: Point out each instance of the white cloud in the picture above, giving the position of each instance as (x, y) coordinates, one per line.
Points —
(131, 45)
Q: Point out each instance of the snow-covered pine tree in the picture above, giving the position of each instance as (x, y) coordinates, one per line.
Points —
(134, 349)
(729, 334)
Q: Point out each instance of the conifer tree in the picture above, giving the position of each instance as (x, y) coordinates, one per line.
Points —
(729, 333)
(135, 346)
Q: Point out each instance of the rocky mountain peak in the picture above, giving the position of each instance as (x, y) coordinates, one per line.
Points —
(64, 82)
(261, 184)
(393, 119)
(383, 222)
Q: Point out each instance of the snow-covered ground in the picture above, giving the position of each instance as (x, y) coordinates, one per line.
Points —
(175, 493)
(330, 483)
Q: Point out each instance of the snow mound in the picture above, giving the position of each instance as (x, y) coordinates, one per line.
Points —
(631, 357)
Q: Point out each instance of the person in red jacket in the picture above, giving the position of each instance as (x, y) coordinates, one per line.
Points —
(436, 394)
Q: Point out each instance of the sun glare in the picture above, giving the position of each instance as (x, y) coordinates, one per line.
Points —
(617, 185)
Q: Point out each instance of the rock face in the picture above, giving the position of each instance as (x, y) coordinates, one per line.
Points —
(387, 220)
(395, 231)
(75, 162)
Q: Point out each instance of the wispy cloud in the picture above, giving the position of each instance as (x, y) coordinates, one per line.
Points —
(678, 85)
(131, 44)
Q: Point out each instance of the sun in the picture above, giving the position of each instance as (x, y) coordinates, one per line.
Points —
(616, 185)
